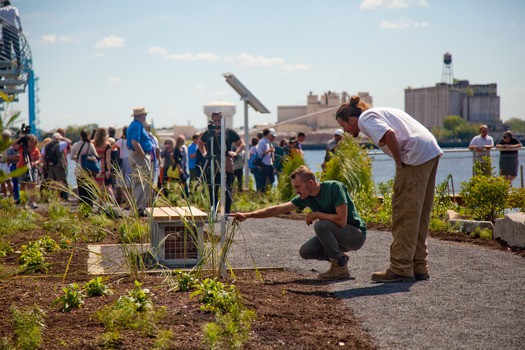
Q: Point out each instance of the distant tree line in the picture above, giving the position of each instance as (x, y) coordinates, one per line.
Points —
(455, 128)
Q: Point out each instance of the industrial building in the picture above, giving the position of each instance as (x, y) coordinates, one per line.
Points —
(317, 114)
(474, 103)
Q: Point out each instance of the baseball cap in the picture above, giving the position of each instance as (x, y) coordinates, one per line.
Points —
(272, 131)
(339, 132)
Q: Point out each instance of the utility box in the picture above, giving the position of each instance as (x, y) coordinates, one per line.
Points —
(176, 235)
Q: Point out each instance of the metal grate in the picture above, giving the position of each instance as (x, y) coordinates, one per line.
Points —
(179, 244)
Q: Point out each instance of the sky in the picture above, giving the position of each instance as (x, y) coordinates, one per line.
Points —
(95, 60)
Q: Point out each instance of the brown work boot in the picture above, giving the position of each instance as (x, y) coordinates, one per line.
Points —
(389, 276)
(421, 276)
(336, 271)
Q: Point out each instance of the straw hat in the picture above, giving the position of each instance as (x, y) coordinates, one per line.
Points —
(139, 111)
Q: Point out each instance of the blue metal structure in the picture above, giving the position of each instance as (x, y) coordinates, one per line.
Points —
(16, 70)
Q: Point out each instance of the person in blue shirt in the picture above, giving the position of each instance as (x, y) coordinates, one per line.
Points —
(192, 157)
(337, 224)
(140, 147)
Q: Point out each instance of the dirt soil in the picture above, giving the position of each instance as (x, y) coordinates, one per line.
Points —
(292, 312)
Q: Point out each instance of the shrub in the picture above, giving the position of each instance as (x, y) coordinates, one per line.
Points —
(442, 200)
(32, 258)
(286, 191)
(73, 298)
(352, 166)
(484, 197)
(214, 295)
(29, 326)
(516, 199)
(133, 231)
(96, 287)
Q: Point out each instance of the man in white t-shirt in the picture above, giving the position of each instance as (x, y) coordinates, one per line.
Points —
(416, 154)
(481, 145)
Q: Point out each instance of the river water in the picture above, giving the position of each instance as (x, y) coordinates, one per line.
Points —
(457, 162)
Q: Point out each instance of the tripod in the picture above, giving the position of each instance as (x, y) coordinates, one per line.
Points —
(211, 173)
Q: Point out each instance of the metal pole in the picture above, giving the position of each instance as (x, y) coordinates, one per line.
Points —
(521, 175)
(223, 194)
(31, 100)
(246, 147)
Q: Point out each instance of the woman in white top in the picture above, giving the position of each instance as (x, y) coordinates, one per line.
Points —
(84, 146)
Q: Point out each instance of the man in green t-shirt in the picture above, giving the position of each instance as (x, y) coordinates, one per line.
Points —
(338, 227)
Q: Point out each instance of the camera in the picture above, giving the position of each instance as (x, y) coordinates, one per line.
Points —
(22, 134)
(25, 129)
(211, 127)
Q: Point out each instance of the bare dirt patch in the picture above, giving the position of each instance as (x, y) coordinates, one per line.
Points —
(292, 312)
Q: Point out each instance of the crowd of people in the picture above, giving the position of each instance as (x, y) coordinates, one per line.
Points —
(144, 164)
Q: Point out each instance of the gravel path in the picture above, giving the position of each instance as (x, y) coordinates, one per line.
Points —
(474, 300)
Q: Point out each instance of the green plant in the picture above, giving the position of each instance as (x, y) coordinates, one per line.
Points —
(5, 248)
(484, 197)
(482, 233)
(185, 281)
(163, 340)
(32, 258)
(139, 296)
(133, 231)
(73, 298)
(438, 225)
(29, 326)
(110, 339)
(516, 199)
(230, 330)
(442, 200)
(351, 165)
(134, 311)
(48, 244)
(96, 287)
(214, 295)
(286, 192)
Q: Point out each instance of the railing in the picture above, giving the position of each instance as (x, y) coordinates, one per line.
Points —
(16, 60)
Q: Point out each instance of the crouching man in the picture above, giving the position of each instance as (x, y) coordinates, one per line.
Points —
(337, 225)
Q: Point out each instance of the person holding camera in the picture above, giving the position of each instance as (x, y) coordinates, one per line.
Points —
(211, 140)
(30, 157)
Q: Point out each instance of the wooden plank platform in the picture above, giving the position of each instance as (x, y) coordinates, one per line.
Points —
(175, 213)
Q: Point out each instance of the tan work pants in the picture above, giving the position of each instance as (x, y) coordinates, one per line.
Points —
(411, 208)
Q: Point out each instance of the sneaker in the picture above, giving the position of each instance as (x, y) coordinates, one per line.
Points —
(142, 213)
(421, 276)
(389, 277)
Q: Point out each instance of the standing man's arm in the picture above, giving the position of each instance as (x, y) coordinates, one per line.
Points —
(266, 212)
(138, 148)
(202, 148)
(339, 218)
(389, 139)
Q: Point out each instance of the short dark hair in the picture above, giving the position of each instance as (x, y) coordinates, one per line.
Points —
(354, 108)
(301, 134)
(266, 132)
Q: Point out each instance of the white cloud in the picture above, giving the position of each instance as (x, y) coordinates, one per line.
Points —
(392, 4)
(299, 66)
(251, 61)
(402, 23)
(113, 80)
(157, 50)
(58, 39)
(203, 56)
(110, 42)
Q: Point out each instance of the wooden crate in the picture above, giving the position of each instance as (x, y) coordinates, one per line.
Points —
(176, 235)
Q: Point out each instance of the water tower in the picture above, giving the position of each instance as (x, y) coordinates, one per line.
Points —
(226, 108)
(447, 76)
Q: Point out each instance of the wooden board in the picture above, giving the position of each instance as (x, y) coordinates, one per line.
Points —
(176, 213)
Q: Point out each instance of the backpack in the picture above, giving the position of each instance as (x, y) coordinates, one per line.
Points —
(53, 154)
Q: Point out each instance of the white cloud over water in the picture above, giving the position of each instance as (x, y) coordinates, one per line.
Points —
(110, 42)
